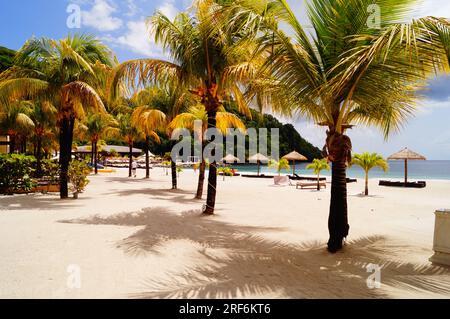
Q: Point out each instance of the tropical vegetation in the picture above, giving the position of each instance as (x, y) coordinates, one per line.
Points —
(368, 161)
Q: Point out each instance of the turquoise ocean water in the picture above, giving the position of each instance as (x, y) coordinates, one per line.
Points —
(417, 170)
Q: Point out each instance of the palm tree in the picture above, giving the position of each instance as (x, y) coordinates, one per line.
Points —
(61, 71)
(130, 134)
(367, 161)
(224, 121)
(345, 72)
(318, 165)
(97, 127)
(211, 63)
(43, 115)
(15, 120)
(149, 120)
(282, 164)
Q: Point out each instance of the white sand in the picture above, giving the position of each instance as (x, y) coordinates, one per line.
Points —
(264, 242)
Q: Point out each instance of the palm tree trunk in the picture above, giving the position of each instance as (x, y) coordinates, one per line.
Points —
(39, 157)
(318, 182)
(367, 184)
(212, 177)
(338, 220)
(173, 166)
(201, 179)
(65, 153)
(147, 158)
(95, 158)
(130, 161)
(12, 144)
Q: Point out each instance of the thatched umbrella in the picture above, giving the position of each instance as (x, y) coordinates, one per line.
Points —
(230, 159)
(407, 155)
(258, 158)
(295, 157)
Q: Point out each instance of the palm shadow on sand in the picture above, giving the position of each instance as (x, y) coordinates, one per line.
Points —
(255, 266)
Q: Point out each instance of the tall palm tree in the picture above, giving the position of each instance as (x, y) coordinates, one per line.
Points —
(367, 161)
(61, 71)
(318, 165)
(211, 63)
(97, 127)
(224, 121)
(345, 72)
(15, 120)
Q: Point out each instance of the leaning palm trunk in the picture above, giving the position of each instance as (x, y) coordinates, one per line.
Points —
(201, 179)
(65, 156)
(212, 177)
(339, 148)
(173, 166)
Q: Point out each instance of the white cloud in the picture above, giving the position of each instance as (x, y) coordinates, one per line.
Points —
(439, 8)
(100, 16)
(169, 9)
(137, 38)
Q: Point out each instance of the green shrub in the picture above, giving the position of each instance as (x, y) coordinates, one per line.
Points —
(15, 173)
(78, 173)
(50, 171)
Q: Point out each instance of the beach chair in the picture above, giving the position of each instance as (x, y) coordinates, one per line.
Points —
(304, 185)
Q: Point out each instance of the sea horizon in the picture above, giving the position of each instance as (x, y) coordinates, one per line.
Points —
(417, 170)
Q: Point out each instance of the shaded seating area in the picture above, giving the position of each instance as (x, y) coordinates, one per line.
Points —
(405, 155)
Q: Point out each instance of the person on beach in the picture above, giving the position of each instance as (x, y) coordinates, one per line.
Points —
(134, 166)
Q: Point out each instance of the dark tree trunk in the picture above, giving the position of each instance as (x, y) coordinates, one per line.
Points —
(173, 166)
(318, 182)
(338, 221)
(65, 153)
(147, 158)
(12, 144)
(201, 179)
(95, 158)
(212, 177)
(130, 162)
(39, 157)
(24, 145)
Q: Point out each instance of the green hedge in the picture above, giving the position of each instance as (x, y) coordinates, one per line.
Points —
(15, 173)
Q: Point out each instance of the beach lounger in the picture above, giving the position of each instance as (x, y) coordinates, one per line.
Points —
(303, 185)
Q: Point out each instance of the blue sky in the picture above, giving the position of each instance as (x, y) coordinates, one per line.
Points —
(120, 24)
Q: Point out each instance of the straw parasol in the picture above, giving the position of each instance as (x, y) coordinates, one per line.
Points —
(230, 159)
(295, 157)
(406, 155)
(258, 158)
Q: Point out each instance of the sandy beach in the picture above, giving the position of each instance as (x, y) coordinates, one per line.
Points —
(135, 238)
